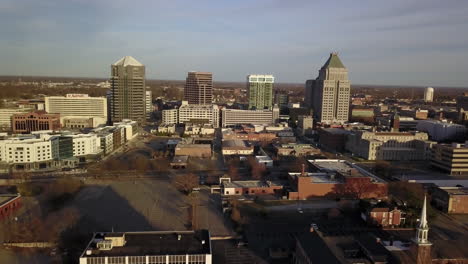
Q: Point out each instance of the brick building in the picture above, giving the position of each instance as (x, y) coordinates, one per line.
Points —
(193, 150)
(251, 188)
(336, 178)
(34, 121)
(452, 200)
(9, 203)
(384, 217)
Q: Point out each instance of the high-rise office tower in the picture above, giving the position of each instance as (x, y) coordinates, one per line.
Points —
(128, 96)
(428, 94)
(260, 89)
(328, 95)
(199, 88)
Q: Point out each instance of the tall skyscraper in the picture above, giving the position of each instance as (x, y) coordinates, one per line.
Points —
(329, 94)
(260, 89)
(199, 88)
(128, 95)
(428, 94)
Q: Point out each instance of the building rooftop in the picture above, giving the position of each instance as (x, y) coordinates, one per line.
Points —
(316, 249)
(343, 167)
(6, 198)
(127, 61)
(185, 145)
(249, 184)
(336, 131)
(151, 243)
(333, 62)
(235, 143)
(316, 177)
(455, 190)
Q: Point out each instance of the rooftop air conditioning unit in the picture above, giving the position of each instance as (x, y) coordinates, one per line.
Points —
(104, 245)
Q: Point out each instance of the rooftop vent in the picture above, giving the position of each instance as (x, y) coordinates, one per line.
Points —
(104, 245)
(179, 237)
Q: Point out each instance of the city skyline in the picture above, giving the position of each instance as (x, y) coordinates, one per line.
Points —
(396, 43)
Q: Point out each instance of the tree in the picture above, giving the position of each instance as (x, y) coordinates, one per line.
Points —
(186, 183)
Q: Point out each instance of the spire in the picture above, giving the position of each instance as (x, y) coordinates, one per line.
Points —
(423, 221)
(422, 231)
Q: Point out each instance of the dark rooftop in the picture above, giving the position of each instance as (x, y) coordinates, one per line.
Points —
(316, 249)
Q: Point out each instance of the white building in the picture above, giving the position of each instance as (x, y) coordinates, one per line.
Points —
(78, 110)
(230, 117)
(170, 116)
(7, 113)
(35, 148)
(429, 94)
(201, 114)
(131, 128)
(442, 131)
(86, 144)
(389, 145)
(149, 103)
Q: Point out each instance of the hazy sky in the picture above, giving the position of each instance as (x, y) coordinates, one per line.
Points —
(401, 42)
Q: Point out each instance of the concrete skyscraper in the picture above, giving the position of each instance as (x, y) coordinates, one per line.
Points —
(260, 89)
(329, 94)
(199, 88)
(428, 94)
(128, 94)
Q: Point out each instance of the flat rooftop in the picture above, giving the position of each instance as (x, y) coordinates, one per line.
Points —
(456, 191)
(342, 167)
(152, 243)
(235, 143)
(184, 145)
(249, 184)
(316, 177)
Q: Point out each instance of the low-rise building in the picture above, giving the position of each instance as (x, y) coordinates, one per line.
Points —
(168, 129)
(168, 247)
(333, 139)
(336, 178)
(452, 200)
(251, 188)
(34, 121)
(384, 216)
(237, 147)
(451, 158)
(197, 129)
(193, 150)
(296, 150)
(389, 145)
(442, 131)
(264, 160)
(9, 203)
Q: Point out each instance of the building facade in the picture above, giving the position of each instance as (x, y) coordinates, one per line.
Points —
(78, 110)
(428, 94)
(329, 94)
(231, 117)
(452, 200)
(260, 91)
(199, 88)
(148, 104)
(35, 148)
(7, 113)
(442, 131)
(451, 158)
(128, 90)
(198, 114)
(305, 125)
(389, 145)
(170, 116)
(34, 121)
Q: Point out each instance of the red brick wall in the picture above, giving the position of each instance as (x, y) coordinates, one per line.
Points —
(10, 207)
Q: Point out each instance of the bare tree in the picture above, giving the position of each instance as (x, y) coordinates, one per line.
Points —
(186, 183)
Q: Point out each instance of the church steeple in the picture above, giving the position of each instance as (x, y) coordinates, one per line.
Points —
(423, 228)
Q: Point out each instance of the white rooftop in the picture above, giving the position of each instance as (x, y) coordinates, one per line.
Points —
(128, 60)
